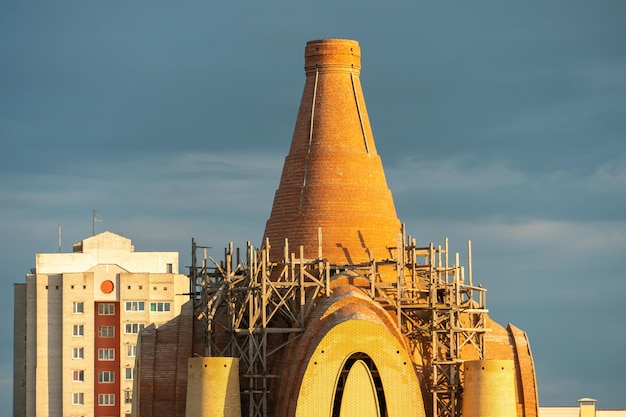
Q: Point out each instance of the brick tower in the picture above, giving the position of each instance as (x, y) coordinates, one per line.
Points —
(333, 178)
(360, 322)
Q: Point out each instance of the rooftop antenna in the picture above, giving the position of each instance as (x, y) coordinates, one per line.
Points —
(94, 220)
(59, 237)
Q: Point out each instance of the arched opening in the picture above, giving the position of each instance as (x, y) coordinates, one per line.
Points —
(343, 378)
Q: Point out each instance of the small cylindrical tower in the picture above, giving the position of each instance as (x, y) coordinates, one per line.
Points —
(333, 178)
(489, 388)
(587, 407)
(213, 387)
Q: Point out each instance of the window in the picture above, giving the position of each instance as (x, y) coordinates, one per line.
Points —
(134, 328)
(134, 306)
(78, 330)
(168, 268)
(78, 353)
(107, 354)
(161, 307)
(130, 374)
(106, 331)
(78, 307)
(106, 309)
(128, 397)
(78, 398)
(131, 351)
(106, 399)
(78, 376)
(106, 377)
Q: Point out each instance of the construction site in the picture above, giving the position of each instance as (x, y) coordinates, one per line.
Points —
(338, 311)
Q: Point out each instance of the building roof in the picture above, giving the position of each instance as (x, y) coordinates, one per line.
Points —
(104, 241)
(106, 248)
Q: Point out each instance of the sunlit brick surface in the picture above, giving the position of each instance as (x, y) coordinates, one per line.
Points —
(333, 178)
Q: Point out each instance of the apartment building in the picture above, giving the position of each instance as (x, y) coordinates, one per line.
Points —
(76, 323)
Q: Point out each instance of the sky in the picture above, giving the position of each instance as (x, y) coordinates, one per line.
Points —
(500, 123)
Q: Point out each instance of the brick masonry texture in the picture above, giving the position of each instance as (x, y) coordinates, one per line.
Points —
(162, 366)
(525, 373)
(347, 302)
(332, 178)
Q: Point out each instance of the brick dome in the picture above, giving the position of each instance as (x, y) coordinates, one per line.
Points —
(333, 177)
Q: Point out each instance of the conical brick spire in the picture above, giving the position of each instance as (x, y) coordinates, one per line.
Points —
(333, 178)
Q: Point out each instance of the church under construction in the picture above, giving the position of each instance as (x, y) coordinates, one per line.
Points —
(339, 311)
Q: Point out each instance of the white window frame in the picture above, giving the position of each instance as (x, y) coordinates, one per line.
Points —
(78, 398)
(131, 351)
(106, 332)
(78, 375)
(78, 307)
(106, 309)
(133, 328)
(106, 399)
(160, 307)
(106, 377)
(106, 354)
(129, 374)
(135, 306)
(78, 330)
(78, 353)
(128, 397)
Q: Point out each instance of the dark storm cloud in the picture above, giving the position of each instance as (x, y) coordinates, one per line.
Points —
(500, 123)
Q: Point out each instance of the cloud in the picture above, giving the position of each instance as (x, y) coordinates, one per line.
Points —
(462, 187)
(451, 174)
(506, 130)
(159, 201)
(6, 381)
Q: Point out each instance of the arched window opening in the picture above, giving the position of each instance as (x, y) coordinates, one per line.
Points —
(343, 376)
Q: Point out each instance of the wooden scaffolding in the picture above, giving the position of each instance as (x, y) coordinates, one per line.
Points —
(440, 312)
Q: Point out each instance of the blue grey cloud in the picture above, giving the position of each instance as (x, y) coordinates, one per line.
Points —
(499, 123)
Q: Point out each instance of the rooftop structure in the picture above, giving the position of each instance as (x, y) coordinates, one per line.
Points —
(586, 408)
(340, 311)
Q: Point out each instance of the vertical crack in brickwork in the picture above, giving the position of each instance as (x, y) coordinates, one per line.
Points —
(358, 109)
(306, 160)
(313, 106)
(306, 166)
